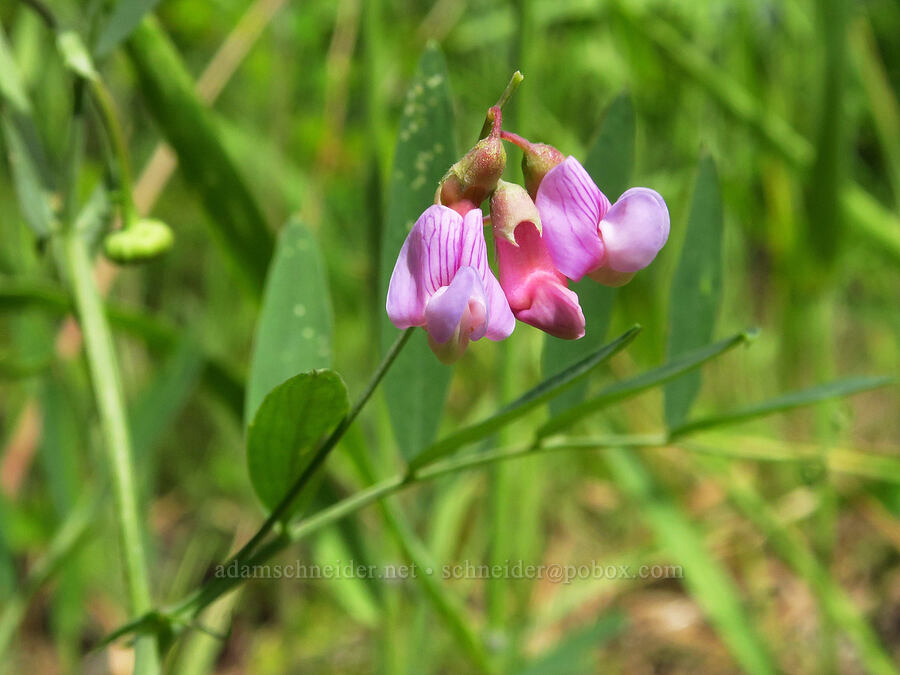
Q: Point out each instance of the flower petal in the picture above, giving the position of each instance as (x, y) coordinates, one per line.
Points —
(635, 229)
(427, 261)
(445, 308)
(473, 252)
(554, 308)
(571, 206)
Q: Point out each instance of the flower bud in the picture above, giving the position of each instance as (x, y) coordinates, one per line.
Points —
(511, 206)
(537, 293)
(144, 240)
(474, 177)
(537, 161)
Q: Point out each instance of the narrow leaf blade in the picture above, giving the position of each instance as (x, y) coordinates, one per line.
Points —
(27, 181)
(796, 399)
(696, 288)
(125, 17)
(639, 383)
(416, 386)
(542, 393)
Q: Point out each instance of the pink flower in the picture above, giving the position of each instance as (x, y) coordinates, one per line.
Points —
(585, 235)
(442, 282)
(537, 293)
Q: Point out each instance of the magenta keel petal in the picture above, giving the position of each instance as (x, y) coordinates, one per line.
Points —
(554, 309)
(635, 229)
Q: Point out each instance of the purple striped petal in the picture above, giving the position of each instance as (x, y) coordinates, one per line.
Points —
(500, 319)
(635, 229)
(427, 261)
(571, 207)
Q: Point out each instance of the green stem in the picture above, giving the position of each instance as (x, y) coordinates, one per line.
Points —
(514, 83)
(281, 510)
(196, 601)
(117, 441)
(107, 109)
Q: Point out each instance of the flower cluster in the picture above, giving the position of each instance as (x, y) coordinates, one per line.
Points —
(561, 228)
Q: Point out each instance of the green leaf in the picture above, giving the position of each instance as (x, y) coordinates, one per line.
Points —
(288, 426)
(797, 399)
(683, 542)
(122, 21)
(610, 162)
(235, 218)
(823, 187)
(12, 88)
(26, 178)
(542, 393)
(293, 334)
(696, 288)
(416, 386)
(639, 383)
(75, 55)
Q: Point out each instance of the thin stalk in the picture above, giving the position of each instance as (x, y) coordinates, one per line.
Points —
(514, 83)
(281, 510)
(195, 602)
(107, 387)
(107, 109)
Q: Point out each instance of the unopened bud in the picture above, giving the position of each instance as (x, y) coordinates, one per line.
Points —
(510, 207)
(537, 160)
(143, 240)
(475, 176)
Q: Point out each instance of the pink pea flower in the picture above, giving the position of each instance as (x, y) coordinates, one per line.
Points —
(587, 236)
(536, 291)
(442, 282)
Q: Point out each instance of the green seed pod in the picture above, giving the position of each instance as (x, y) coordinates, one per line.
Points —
(144, 240)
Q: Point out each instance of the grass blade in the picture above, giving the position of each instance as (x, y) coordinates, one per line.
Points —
(27, 181)
(705, 578)
(236, 220)
(790, 546)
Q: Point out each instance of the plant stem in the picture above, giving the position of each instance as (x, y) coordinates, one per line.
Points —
(322, 453)
(196, 601)
(514, 83)
(107, 109)
(117, 440)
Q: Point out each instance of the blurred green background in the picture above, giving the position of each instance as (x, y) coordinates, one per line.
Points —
(796, 103)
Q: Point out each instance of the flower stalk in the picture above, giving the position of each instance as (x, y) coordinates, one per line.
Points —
(107, 386)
